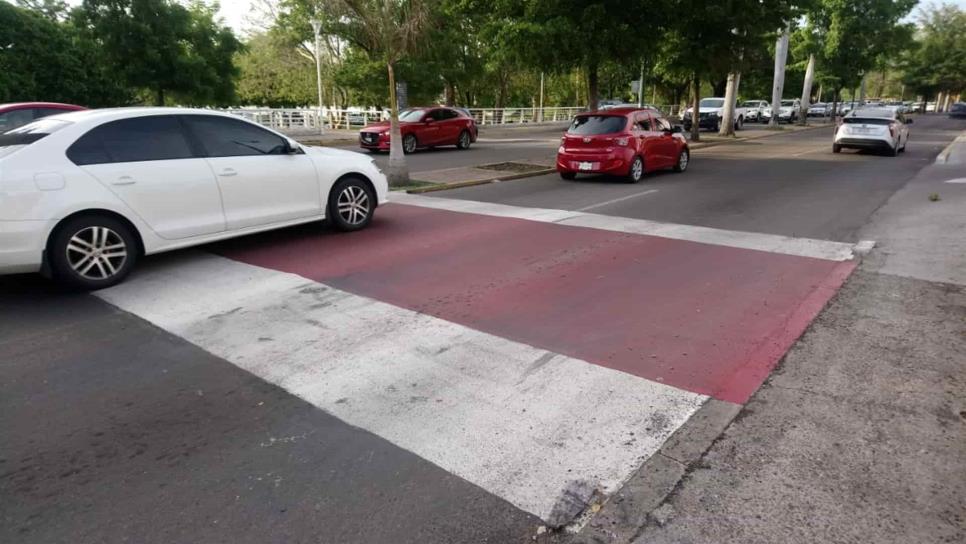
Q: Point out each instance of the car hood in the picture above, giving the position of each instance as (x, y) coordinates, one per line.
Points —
(317, 151)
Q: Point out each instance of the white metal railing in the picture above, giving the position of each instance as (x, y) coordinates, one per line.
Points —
(310, 119)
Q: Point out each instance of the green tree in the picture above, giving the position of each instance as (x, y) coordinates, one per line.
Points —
(42, 59)
(164, 47)
(388, 31)
(937, 61)
(855, 36)
(273, 74)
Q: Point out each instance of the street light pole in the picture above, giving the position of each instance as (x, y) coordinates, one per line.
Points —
(317, 29)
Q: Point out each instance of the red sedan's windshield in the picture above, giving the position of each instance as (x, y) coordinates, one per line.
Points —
(597, 124)
(411, 116)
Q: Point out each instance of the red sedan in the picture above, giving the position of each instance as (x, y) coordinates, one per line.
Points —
(423, 127)
(21, 113)
(621, 141)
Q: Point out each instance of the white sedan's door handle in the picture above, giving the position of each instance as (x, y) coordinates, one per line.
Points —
(227, 172)
(124, 180)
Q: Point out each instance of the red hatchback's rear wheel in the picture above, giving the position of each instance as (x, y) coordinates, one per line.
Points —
(636, 173)
(464, 141)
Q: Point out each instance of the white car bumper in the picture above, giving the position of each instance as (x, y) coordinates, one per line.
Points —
(22, 246)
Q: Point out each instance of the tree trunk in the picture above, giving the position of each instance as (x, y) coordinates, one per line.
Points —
(781, 55)
(159, 97)
(450, 93)
(807, 91)
(696, 110)
(835, 104)
(731, 96)
(398, 171)
(721, 87)
(593, 96)
(862, 89)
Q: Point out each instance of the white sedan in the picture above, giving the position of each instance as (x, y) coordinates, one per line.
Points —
(880, 129)
(83, 195)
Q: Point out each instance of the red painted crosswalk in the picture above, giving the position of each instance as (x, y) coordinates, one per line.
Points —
(709, 319)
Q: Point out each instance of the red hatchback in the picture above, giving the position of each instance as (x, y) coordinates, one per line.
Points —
(423, 127)
(21, 113)
(622, 141)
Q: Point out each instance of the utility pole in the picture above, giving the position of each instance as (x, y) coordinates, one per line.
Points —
(640, 88)
(781, 56)
(540, 115)
(317, 29)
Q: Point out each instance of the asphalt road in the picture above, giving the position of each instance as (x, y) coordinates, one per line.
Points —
(117, 431)
(790, 184)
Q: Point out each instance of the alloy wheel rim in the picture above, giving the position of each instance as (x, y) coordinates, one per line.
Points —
(353, 205)
(638, 169)
(464, 140)
(96, 253)
(683, 160)
(409, 144)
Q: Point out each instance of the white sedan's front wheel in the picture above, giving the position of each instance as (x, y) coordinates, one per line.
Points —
(352, 204)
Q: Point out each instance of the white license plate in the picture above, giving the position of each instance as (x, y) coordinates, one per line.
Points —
(585, 166)
(863, 130)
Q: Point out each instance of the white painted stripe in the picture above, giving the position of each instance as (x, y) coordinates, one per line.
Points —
(773, 243)
(615, 200)
(520, 422)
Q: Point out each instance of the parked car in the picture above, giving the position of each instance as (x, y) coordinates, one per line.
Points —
(423, 127)
(819, 109)
(710, 113)
(21, 113)
(881, 129)
(626, 142)
(930, 106)
(86, 194)
(754, 110)
(958, 110)
(787, 113)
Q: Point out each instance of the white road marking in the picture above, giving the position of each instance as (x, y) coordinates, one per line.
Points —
(615, 201)
(956, 180)
(520, 422)
(773, 243)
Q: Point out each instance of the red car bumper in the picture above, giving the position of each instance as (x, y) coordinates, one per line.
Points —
(616, 162)
(372, 140)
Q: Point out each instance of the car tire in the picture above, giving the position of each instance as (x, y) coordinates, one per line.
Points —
(636, 172)
(739, 123)
(92, 252)
(568, 175)
(409, 144)
(351, 205)
(464, 140)
(894, 152)
(836, 148)
(684, 159)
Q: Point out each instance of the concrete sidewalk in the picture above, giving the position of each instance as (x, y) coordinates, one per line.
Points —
(860, 435)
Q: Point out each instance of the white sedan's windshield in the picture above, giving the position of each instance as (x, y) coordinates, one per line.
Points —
(788, 103)
(712, 103)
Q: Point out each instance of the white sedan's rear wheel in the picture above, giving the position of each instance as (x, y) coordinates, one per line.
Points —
(92, 252)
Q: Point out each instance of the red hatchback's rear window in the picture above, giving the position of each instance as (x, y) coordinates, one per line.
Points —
(597, 124)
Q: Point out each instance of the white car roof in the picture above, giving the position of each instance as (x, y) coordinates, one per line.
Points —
(875, 113)
(110, 114)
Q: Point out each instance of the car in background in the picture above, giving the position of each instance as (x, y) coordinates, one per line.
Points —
(819, 109)
(710, 113)
(930, 106)
(754, 110)
(958, 110)
(626, 142)
(423, 128)
(20, 113)
(787, 113)
(879, 129)
(87, 193)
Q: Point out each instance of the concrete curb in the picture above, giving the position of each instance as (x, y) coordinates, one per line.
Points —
(624, 514)
(943, 156)
(703, 145)
(459, 184)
